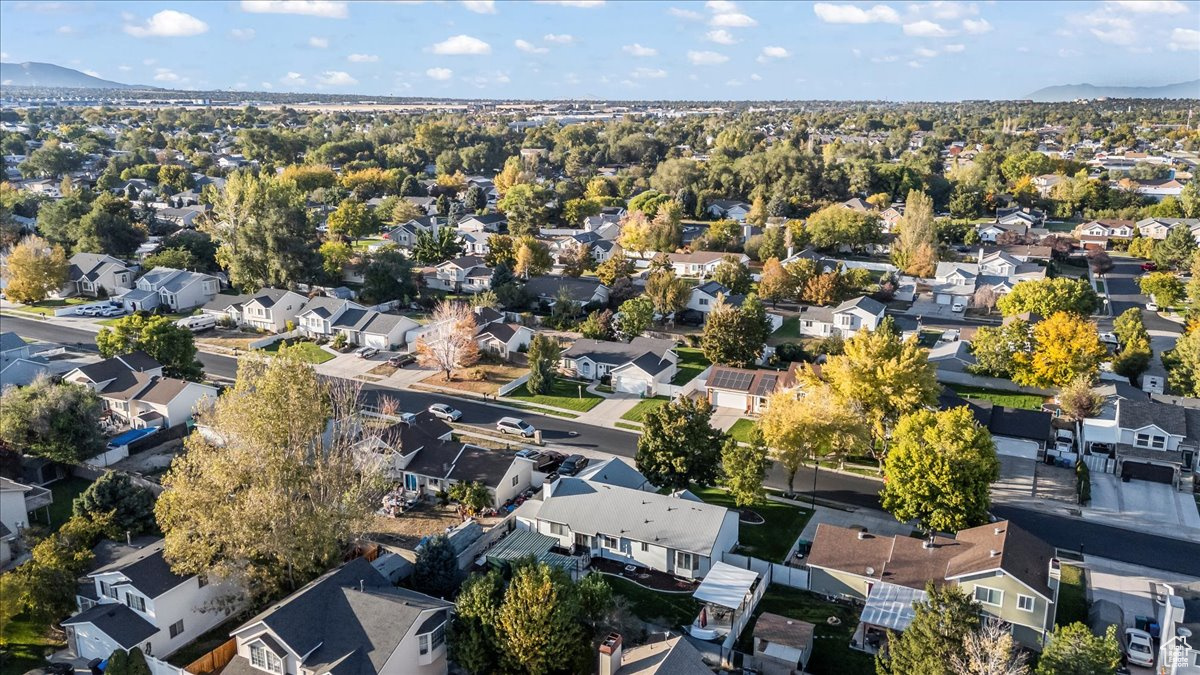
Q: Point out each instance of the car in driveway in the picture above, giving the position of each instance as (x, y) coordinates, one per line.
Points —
(445, 412)
(1139, 647)
(514, 425)
(90, 310)
(959, 305)
(365, 352)
(1149, 266)
(572, 465)
(111, 311)
(1110, 339)
(401, 360)
(1152, 306)
(548, 461)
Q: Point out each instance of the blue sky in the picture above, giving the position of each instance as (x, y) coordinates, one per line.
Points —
(615, 49)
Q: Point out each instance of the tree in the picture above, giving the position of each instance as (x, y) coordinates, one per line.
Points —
(722, 235)
(1100, 262)
(335, 255)
(730, 335)
(539, 621)
(823, 289)
(599, 325)
(132, 662)
(501, 251)
(985, 298)
(776, 283)
(475, 199)
(1079, 400)
(131, 506)
(809, 426)
(472, 496)
(35, 270)
(450, 344)
(1183, 365)
(678, 445)
(175, 258)
(1176, 250)
(1142, 247)
(668, 293)
(544, 353)
(732, 274)
(353, 219)
(1193, 287)
(1074, 650)
(58, 221)
(437, 246)
(1047, 296)
(1134, 357)
(525, 208)
(171, 345)
(109, 227)
(577, 259)
(45, 585)
(533, 258)
(939, 469)
(990, 650)
(995, 349)
(404, 211)
(278, 487)
(836, 224)
(388, 276)
(940, 625)
(916, 237)
(744, 467)
(50, 161)
(634, 317)
(1164, 288)
(615, 268)
(436, 570)
(1065, 346)
(60, 422)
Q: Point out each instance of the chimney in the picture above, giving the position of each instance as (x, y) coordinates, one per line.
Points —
(997, 531)
(610, 655)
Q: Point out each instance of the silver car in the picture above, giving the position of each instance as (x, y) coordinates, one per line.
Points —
(445, 412)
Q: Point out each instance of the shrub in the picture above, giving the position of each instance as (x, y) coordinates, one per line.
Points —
(1083, 483)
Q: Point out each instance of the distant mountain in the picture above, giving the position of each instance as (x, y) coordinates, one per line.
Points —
(33, 74)
(1070, 92)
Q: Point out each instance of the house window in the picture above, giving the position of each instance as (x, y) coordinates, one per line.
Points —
(135, 602)
(703, 302)
(202, 580)
(1025, 603)
(607, 541)
(264, 659)
(176, 628)
(558, 529)
(431, 641)
(516, 479)
(685, 561)
(989, 596)
(1151, 441)
(645, 547)
(106, 589)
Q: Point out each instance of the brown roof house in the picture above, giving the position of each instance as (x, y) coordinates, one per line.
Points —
(1010, 573)
(782, 646)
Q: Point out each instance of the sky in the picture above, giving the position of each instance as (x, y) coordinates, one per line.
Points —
(716, 50)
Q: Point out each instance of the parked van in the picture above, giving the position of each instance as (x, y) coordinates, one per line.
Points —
(197, 323)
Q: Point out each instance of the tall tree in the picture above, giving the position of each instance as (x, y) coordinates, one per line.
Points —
(616, 268)
(1075, 650)
(35, 270)
(836, 224)
(1065, 346)
(939, 627)
(1176, 250)
(732, 274)
(109, 227)
(1079, 400)
(577, 259)
(668, 293)
(353, 219)
(171, 345)
(996, 348)
(437, 246)
(130, 506)
(808, 427)
(776, 283)
(525, 207)
(734, 335)
(450, 344)
(990, 650)
(914, 250)
(678, 445)
(744, 467)
(1047, 296)
(1164, 288)
(532, 257)
(56, 421)
(436, 571)
(1183, 365)
(544, 352)
(634, 316)
(388, 276)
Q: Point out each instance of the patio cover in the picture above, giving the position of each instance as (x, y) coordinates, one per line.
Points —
(725, 585)
(525, 543)
(891, 606)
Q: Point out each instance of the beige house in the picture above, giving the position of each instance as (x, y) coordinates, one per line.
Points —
(1005, 569)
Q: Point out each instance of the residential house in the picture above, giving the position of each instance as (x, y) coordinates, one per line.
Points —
(616, 471)
(743, 389)
(890, 217)
(466, 274)
(701, 263)
(1098, 233)
(350, 620)
(486, 222)
(729, 209)
(270, 309)
(1004, 568)
(670, 534)
(583, 292)
(1045, 183)
(96, 274)
(990, 232)
(1156, 190)
(1157, 228)
(846, 320)
(426, 204)
(671, 655)
(503, 339)
(316, 319)
(859, 205)
(18, 367)
(1015, 214)
(1150, 439)
(139, 601)
(474, 243)
(997, 270)
(17, 501)
(645, 364)
(704, 297)
(135, 391)
(324, 317)
(172, 289)
(1016, 432)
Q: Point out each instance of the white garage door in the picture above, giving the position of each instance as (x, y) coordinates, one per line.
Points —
(943, 299)
(629, 385)
(729, 399)
(1016, 447)
(376, 341)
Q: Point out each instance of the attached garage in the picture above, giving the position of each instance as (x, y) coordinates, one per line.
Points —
(630, 383)
(1155, 473)
(1016, 447)
(729, 399)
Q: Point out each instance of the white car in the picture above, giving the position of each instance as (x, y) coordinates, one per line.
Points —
(366, 352)
(90, 310)
(1139, 647)
(445, 412)
(959, 305)
(513, 425)
(951, 335)
(112, 311)
(1064, 436)
(1110, 339)
(1152, 306)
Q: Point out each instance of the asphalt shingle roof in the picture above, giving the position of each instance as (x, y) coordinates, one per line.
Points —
(118, 622)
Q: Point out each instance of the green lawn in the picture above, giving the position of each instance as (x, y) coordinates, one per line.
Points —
(627, 425)
(997, 397)
(741, 430)
(1072, 596)
(773, 539)
(47, 307)
(638, 412)
(564, 394)
(65, 491)
(790, 328)
(366, 244)
(309, 351)
(667, 609)
(832, 654)
(691, 363)
(27, 647)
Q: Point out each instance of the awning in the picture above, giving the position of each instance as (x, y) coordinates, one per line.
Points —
(726, 585)
(891, 606)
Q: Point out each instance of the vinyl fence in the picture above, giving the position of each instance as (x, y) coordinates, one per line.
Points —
(774, 573)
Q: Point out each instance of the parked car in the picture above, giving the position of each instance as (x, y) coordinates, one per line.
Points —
(111, 311)
(1139, 647)
(366, 352)
(90, 310)
(549, 461)
(1152, 306)
(572, 465)
(1064, 437)
(1110, 339)
(529, 453)
(959, 305)
(951, 335)
(1149, 266)
(445, 412)
(401, 360)
(512, 425)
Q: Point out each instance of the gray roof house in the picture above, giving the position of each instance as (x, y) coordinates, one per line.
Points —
(95, 273)
(581, 291)
(176, 290)
(644, 356)
(1150, 439)
(350, 620)
(18, 367)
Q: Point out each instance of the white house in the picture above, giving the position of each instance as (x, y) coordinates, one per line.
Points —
(846, 320)
(730, 209)
(644, 364)
(95, 274)
(503, 339)
(134, 390)
(138, 601)
(703, 297)
(1158, 228)
(17, 501)
(351, 620)
(1150, 439)
(1100, 232)
(466, 274)
(701, 263)
(175, 290)
(270, 309)
(325, 317)
(487, 222)
(989, 232)
(997, 270)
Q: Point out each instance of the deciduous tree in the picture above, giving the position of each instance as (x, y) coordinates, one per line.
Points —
(60, 422)
(353, 219)
(1065, 346)
(1047, 296)
(1165, 288)
(735, 335)
(990, 650)
(996, 348)
(744, 467)
(388, 276)
(936, 635)
(634, 317)
(836, 224)
(544, 352)
(525, 207)
(668, 293)
(776, 283)
(109, 227)
(732, 274)
(437, 246)
(678, 445)
(806, 426)
(35, 270)
(914, 250)
(449, 345)
(171, 345)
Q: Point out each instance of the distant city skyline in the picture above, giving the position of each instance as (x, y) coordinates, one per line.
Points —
(560, 49)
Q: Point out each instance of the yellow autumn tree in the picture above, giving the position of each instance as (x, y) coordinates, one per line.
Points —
(35, 269)
(1065, 346)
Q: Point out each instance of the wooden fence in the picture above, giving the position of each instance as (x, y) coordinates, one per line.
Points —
(214, 660)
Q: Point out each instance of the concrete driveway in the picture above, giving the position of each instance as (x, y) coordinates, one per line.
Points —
(1143, 501)
(1016, 478)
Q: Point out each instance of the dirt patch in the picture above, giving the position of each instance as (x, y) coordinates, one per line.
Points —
(494, 376)
(749, 517)
(1055, 482)
(427, 518)
(383, 370)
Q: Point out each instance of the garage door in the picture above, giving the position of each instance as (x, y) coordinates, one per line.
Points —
(629, 385)
(1151, 472)
(376, 341)
(1016, 447)
(729, 399)
(943, 299)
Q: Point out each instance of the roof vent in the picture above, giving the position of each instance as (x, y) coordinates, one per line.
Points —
(993, 553)
(928, 543)
(862, 534)
(997, 531)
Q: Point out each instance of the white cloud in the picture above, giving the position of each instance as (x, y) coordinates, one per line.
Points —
(954, 49)
(322, 8)
(168, 23)
(93, 73)
(704, 58)
(925, 52)
(166, 75)
(65, 30)
(884, 59)
(914, 64)
(1185, 39)
(680, 13)
(734, 20)
(266, 85)
(243, 34)
(769, 53)
(1150, 6)
(1112, 29)
(946, 11)
(3, 55)
(648, 73)
(830, 13)
(721, 37)
(440, 73)
(529, 47)
(124, 69)
(362, 58)
(559, 39)
(336, 78)
(480, 6)
(755, 76)
(636, 49)
(460, 45)
(581, 4)
(976, 26)
(318, 42)
(925, 28)
(293, 79)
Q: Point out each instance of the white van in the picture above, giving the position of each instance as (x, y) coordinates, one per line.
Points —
(197, 323)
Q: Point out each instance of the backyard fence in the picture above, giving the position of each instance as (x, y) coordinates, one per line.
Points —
(214, 660)
(773, 573)
(272, 339)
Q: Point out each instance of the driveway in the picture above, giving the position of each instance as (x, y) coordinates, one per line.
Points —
(1143, 501)
(350, 365)
(1016, 478)
(1133, 588)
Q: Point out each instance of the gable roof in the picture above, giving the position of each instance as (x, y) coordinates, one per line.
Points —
(868, 305)
(146, 569)
(618, 353)
(672, 656)
(749, 381)
(10, 341)
(475, 464)
(614, 471)
(125, 626)
(117, 366)
(579, 290)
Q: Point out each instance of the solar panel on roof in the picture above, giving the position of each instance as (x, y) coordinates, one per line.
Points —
(731, 379)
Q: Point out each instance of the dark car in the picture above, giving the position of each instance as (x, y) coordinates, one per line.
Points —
(401, 360)
(572, 465)
(1149, 266)
(549, 461)
(59, 669)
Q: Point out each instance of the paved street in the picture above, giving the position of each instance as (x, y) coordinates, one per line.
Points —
(1064, 532)
(1123, 293)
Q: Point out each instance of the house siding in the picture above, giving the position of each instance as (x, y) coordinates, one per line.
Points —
(835, 583)
(1035, 623)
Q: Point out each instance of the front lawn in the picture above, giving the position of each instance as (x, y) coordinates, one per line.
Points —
(1072, 596)
(691, 363)
(741, 430)
(309, 351)
(831, 654)
(638, 412)
(564, 394)
(667, 609)
(47, 307)
(997, 397)
(772, 539)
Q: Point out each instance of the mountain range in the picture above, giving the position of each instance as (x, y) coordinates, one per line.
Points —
(1070, 92)
(34, 74)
